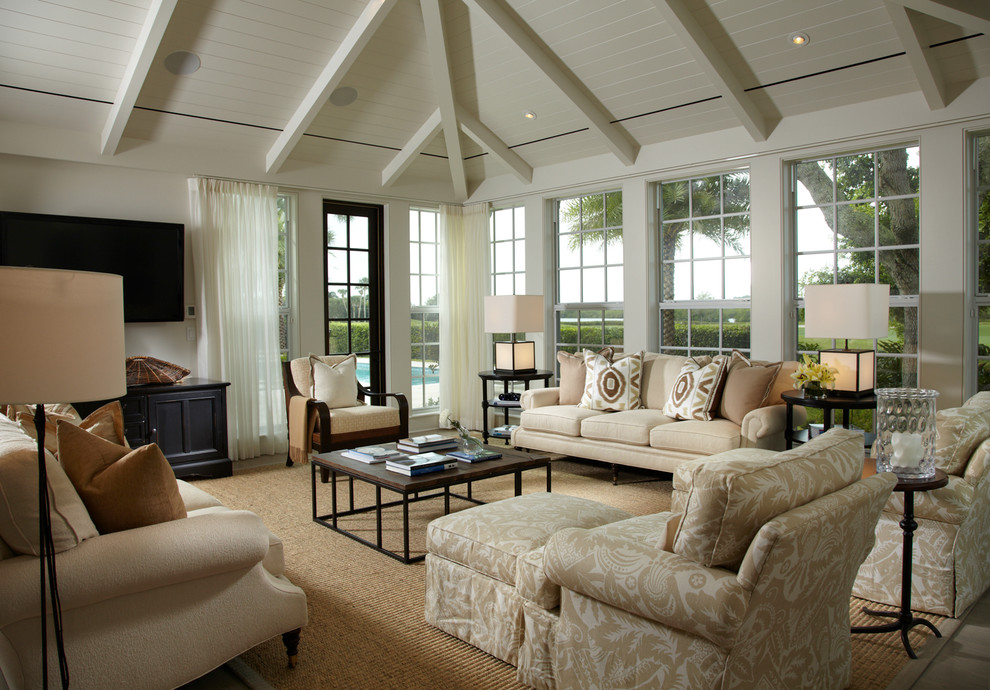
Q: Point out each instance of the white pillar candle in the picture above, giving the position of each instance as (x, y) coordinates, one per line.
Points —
(908, 449)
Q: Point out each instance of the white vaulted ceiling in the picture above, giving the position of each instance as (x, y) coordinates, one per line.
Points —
(442, 85)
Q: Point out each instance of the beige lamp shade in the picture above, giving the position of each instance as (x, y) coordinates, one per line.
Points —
(513, 313)
(63, 336)
(857, 311)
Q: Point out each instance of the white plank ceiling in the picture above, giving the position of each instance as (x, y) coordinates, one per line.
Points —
(443, 98)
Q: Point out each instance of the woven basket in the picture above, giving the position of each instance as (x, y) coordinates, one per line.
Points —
(145, 370)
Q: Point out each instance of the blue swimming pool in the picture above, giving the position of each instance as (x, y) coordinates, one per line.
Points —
(363, 374)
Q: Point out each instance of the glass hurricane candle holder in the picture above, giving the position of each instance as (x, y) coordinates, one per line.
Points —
(906, 432)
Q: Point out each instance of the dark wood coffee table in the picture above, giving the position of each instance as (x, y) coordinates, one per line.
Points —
(411, 489)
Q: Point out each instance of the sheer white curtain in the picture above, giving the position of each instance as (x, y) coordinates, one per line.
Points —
(235, 245)
(464, 277)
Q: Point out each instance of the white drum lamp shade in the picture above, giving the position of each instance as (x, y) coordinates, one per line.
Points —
(514, 314)
(857, 311)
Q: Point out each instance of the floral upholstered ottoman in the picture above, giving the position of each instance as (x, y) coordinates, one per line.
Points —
(484, 575)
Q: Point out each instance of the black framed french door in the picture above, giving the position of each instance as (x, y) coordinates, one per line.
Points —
(354, 272)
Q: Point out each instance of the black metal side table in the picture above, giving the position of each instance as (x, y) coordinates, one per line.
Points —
(506, 405)
(905, 620)
(829, 404)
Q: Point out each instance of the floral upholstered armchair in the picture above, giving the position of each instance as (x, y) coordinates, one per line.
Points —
(950, 567)
(749, 587)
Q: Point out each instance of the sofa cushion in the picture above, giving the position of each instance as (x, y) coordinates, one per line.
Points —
(490, 538)
(659, 373)
(960, 431)
(730, 498)
(565, 420)
(71, 523)
(628, 426)
(696, 390)
(122, 488)
(573, 374)
(692, 436)
(747, 386)
(612, 385)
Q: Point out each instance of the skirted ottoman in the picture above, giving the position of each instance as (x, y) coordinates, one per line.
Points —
(484, 576)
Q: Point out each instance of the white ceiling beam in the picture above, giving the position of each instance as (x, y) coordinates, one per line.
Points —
(719, 72)
(919, 55)
(135, 73)
(969, 14)
(599, 119)
(342, 59)
(415, 146)
(442, 80)
(488, 140)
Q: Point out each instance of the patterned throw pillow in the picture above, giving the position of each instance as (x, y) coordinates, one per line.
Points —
(696, 390)
(612, 386)
(573, 374)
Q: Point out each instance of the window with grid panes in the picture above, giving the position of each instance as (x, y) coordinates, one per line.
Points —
(981, 206)
(589, 263)
(424, 298)
(286, 260)
(857, 220)
(705, 276)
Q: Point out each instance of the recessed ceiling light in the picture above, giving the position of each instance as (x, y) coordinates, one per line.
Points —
(182, 62)
(799, 38)
(529, 115)
(345, 95)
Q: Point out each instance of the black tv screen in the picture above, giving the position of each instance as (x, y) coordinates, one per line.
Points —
(148, 255)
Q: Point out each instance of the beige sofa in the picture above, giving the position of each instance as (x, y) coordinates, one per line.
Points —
(646, 437)
(748, 587)
(951, 563)
(150, 607)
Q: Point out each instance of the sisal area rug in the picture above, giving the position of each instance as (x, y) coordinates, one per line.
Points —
(366, 626)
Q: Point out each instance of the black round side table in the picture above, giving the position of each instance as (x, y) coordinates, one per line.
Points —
(828, 404)
(905, 620)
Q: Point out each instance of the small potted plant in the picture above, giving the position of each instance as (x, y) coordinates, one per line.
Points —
(814, 377)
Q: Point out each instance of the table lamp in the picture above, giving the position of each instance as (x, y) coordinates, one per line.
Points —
(514, 314)
(855, 310)
(63, 342)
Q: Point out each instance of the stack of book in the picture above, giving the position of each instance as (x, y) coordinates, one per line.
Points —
(423, 463)
(372, 454)
(425, 444)
(475, 455)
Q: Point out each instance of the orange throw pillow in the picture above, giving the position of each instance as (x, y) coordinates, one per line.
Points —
(121, 488)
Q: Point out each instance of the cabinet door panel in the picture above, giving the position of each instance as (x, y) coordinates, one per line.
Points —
(167, 422)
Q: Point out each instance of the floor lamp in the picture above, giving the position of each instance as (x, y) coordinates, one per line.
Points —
(63, 342)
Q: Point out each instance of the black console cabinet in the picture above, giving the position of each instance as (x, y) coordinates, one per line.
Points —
(188, 421)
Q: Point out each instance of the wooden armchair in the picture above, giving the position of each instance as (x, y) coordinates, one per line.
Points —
(314, 426)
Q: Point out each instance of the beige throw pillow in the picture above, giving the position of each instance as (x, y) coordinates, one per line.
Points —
(612, 386)
(696, 390)
(747, 385)
(573, 374)
(122, 488)
(335, 384)
(71, 523)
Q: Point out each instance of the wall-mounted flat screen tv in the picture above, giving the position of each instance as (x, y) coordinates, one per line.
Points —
(148, 255)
